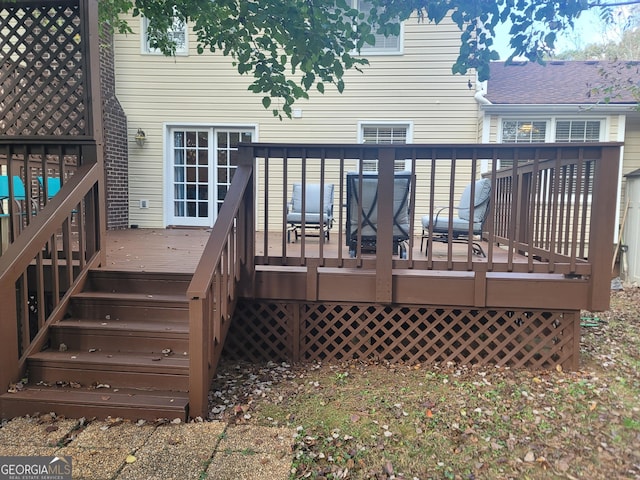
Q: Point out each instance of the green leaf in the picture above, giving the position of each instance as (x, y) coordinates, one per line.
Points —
(266, 102)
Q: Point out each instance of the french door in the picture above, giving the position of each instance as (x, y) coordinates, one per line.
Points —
(201, 163)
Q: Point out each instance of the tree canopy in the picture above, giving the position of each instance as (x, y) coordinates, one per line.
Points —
(291, 47)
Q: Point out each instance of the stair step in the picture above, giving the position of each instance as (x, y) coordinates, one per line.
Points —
(100, 403)
(117, 369)
(121, 335)
(129, 306)
(138, 282)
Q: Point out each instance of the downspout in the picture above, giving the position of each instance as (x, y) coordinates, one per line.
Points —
(481, 91)
(479, 96)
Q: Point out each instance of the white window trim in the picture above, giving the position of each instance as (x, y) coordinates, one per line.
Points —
(369, 50)
(552, 121)
(145, 49)
(388, 123)
(385, 123)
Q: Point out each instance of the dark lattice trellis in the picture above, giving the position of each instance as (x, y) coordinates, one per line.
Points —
(333, 332)
(42, 78)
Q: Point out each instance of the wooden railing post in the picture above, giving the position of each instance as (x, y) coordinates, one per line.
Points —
(601, 233)
(384, 240)
(199, 338)
(248, 224)
(525, 201)
(9, 372)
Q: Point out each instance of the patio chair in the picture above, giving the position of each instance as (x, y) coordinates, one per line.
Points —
(461, 221)
(314, 209)
(53, 186)
(19, 197)
(365, 222)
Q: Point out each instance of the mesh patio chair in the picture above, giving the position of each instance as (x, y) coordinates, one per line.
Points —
(461, 220)
(365, 222)
(318, 213)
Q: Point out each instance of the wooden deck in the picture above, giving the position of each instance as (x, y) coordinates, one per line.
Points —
(155, 250)
(116, 299)
(179, 249)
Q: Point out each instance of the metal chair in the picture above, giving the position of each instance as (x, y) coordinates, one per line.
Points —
(318, 212)
(363, 225)
(53, 186)
(19, 197)
(461, 221)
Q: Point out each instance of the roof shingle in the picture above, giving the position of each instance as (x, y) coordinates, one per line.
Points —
(557, 82)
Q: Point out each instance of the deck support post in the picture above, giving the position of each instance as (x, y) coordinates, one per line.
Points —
(601, 245)
(384, 241)
(573, 324)
(312, 279)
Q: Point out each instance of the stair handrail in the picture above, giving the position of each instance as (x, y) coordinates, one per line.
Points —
(227, 260)
(31, 242)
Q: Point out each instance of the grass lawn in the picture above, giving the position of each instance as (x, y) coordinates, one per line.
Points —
(381, 421)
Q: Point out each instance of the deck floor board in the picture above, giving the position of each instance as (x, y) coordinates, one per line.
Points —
(179, 250)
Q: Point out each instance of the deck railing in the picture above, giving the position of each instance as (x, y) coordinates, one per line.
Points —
(227, 260)
(552, 208)
(52, 247)
(50, 127)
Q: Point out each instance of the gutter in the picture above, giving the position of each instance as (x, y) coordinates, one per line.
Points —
(548, 108)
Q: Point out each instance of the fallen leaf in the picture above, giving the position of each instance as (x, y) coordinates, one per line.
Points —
(51, 428)
(429, 413)
(593, 406)
(355, 418)
(130, 459)
(530, 457)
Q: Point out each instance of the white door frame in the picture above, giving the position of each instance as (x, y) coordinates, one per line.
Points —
(212, 145)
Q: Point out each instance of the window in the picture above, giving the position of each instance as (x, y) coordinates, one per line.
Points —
(523, 131)
(177, 33)
(383, 45)
(382, 133)
(578, 131)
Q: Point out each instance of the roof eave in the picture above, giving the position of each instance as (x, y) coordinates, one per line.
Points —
(547, 108)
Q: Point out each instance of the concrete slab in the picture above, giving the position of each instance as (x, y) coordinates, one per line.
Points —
(249, 466)
(180, 452)
(34, 431)
(105, 435)
(95, 463)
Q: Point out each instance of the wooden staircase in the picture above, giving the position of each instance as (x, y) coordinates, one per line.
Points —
(122, 350)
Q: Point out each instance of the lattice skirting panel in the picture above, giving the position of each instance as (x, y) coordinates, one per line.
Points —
(332, 332)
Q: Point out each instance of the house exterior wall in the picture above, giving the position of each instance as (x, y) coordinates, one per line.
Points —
(631, 150)
(416, 87)
(115, 138)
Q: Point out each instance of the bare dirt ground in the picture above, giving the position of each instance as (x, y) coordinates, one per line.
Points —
(372, 420)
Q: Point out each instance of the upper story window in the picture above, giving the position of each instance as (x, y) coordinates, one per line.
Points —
(178, 33)
(385, 133)
(383, 45)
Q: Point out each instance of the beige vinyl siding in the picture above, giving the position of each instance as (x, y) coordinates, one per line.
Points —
(631, 154)
(416, 87)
